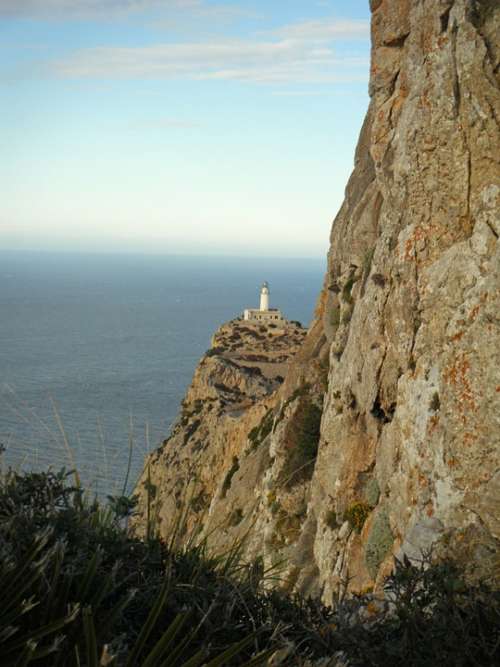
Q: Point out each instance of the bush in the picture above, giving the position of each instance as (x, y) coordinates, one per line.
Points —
(331, 520)
(214, 351)
(367, 261)
(260, 432)
(226, 484)
(335, 316)
(76, 589)
(356, 514)
(347, 289)
(433, 618)
(308, 422)
(72, 583)
(303, 434)
(347, 316)
(301, 390)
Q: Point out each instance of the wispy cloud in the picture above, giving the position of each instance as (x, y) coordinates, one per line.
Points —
(84, 9)
(325, 30)
(304, 52)
(202, 9)
(300, 53)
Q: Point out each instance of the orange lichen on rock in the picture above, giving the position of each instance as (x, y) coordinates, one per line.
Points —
(458, 336)
(433, 424)
(470, 438)
(457, 376)
(473, 313)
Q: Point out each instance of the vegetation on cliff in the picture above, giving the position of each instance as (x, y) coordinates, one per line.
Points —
(76, 589)
(303, 433)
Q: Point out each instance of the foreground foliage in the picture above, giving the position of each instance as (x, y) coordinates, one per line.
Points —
(77, 590)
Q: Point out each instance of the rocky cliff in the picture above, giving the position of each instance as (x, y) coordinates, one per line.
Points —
(384, 437)
(232, 393)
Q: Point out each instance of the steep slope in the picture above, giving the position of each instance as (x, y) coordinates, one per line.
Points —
(410, 428)
(404, 356)
(233, 388)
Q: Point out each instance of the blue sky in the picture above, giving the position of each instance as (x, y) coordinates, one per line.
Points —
(179, 125)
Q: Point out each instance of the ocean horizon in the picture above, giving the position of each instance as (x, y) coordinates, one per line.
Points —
(98, 349)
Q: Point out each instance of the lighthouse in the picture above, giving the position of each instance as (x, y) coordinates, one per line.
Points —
(265, 315)
(264, 297)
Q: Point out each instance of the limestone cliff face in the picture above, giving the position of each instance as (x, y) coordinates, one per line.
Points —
(411, 419)
(233, 388)
(403, 359)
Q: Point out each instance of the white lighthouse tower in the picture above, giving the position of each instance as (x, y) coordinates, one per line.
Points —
(265, 315)
(264, 297)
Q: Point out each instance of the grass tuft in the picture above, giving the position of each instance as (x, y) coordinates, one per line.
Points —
(76, 589)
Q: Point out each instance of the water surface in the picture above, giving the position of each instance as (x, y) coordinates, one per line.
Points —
(103, 347)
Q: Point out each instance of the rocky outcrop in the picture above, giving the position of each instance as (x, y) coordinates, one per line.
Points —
(385, 436)
(212, 442)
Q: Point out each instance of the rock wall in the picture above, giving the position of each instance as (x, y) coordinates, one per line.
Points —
(403, 358)
(413, 307)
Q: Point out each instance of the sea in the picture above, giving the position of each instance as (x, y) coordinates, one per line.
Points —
(97, 350)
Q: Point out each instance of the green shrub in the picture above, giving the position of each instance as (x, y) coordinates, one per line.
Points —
(347, 316)
(275, 507)
(331, 520)
(335, 316)
(214, 351)
(77, 590)
(308, 422)
(302, 390)
(347, 289)
(226, 484)
(302, 437)
(434, 618)
(74, 587)
(367, 262)
(260, 432)
(379, 543)
(356, 514)
(200, 502)
(197, 406)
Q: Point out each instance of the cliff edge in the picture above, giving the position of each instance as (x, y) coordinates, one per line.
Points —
(233, 389)
(384, 437)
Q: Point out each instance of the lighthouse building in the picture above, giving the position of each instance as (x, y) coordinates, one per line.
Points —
(264, 315)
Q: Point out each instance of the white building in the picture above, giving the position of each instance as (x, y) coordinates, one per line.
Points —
(264, 314)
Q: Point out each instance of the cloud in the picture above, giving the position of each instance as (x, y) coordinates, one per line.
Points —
(220, 12)
(301, 52)
(84, 9)
(325, 30)
(280, 61)
(63, 7)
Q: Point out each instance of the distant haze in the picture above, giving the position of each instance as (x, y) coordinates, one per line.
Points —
(179, 126)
